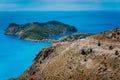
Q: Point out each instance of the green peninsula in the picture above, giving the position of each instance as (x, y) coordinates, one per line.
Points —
(36, 31)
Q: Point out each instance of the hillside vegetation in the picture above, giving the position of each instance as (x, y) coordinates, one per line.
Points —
(96, 57)
(37, 31)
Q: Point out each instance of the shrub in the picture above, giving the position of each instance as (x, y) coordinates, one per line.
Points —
(99, 44)
(110, 47)
(116, 52)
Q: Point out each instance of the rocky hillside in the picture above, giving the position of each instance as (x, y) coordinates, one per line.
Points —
(37, 31)
(74, 37)
(91, 58)
(111, 35)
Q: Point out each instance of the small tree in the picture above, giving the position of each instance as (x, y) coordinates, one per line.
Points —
(90, 50)
(83, 52)
(110, 47)
(116, 52)
(99, 44)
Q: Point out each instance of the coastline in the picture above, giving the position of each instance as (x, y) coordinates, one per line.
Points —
(77, 17)
(43, 40)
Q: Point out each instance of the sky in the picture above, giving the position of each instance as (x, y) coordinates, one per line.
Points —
(58, 5)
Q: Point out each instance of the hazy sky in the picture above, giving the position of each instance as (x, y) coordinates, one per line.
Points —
(10, 5)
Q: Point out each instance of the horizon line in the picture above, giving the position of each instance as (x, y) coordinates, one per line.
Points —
(53, 10)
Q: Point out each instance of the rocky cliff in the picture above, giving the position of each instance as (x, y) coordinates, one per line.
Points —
(37, 31)
(93, 58)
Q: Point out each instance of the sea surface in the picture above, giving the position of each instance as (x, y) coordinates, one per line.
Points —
(17, 55)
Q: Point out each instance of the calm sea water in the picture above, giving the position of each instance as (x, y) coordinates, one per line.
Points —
(17, 55)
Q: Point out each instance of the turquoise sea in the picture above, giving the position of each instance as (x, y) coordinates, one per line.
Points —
(17, 55)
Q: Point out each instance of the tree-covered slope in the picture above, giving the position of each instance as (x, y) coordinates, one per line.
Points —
(39, 31)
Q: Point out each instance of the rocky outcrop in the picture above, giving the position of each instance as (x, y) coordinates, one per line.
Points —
(38, 31)
(90, 58)
(13, 29)
(112, 35)
(44, 53)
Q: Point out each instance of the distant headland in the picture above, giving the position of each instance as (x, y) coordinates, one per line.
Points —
(36, 31)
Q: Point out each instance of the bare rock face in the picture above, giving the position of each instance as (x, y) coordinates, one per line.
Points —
(44, 53)
(82, 59)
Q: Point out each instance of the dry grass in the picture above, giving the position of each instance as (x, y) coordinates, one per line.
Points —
(67, 62)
